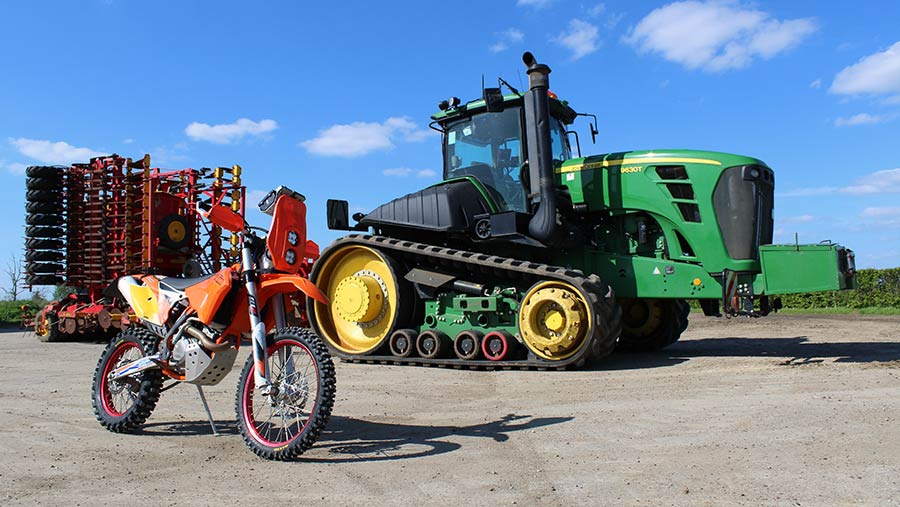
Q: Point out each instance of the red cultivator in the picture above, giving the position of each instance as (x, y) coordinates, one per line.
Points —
(89, 224)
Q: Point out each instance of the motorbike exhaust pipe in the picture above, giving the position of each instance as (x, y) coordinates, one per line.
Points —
(206, 342)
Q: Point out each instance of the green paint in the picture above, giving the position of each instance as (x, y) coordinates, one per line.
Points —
(454, 313)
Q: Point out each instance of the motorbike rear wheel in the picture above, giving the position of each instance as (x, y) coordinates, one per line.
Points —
(124, 404)
(286, 423)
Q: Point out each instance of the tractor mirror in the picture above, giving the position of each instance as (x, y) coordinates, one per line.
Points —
(493, 99)
(338, 215)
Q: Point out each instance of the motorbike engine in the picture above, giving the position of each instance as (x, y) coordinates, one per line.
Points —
(203, 361)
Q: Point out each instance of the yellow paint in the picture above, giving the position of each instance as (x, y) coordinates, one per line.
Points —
(144, 303)
(639, 160)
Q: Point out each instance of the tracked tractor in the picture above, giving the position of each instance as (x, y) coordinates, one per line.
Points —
(527, 255)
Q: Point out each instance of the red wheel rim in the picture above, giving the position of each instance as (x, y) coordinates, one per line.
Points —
(262, 428)
(116, 360)
(492, 338)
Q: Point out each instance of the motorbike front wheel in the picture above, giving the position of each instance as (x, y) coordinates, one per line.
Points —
(123, 404)
(286, 422)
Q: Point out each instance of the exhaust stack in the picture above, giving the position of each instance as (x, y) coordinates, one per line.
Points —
(542, 200)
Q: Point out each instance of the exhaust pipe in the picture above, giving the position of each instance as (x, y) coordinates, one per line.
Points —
(542, 226)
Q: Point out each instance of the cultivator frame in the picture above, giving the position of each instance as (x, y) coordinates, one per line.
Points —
(115, 216)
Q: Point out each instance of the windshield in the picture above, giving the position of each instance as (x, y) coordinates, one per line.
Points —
(488, 146)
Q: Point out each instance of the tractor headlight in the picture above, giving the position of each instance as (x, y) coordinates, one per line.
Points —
(290, 256)
(293, 238)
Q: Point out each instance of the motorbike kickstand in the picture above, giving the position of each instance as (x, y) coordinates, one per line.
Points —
(208, 413)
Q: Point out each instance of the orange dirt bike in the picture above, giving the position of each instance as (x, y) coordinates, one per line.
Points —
(191, 329)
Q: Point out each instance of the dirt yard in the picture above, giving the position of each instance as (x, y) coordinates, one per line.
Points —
(785, 410)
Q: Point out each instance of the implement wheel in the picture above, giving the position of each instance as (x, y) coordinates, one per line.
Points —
(554, 320)
(652, 324)
(367, 300)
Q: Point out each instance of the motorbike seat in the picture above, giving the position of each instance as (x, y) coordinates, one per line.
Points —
(181, 284)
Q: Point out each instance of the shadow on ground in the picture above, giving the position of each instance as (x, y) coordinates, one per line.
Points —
(788, 351)
(351, 440)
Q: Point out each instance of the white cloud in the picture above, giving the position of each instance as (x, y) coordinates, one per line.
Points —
(815, 85)
(360, 138)
(403, 172)
(13, 167)
(876, 74)
(227, 133)
(50, 152)
(505, 38)
(596, 11)
(800, 219)
(580, 38)
(809, 191)
(859, 119)
(127, 141)
(881, 212)
(716, 36)
(880, 182)
(537, 4)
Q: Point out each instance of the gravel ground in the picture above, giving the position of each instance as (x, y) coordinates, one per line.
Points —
(786, 410)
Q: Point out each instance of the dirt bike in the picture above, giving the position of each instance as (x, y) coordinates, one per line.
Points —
(191, 329)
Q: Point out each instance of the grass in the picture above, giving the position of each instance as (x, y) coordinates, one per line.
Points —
(841, 311)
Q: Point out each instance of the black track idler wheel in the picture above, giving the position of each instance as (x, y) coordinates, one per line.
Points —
(41, 231)
(44, 244)
(43, 196)
(44, 171)
(467, 345)
(44, 207)
(44, 183)
(44, 256)
(432, 344)
(402, 342)
(43, 219)
(42, 268)
(44, 280)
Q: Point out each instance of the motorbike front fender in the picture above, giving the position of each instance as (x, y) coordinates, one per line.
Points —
(276, 283)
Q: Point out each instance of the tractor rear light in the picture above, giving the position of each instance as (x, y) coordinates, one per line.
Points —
(552, 95)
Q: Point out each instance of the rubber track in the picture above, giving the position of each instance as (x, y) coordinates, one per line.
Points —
(607, 313)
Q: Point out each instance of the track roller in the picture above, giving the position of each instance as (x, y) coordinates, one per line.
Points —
(499, 345)
(432, 344)
(467, 345)
(402, 342)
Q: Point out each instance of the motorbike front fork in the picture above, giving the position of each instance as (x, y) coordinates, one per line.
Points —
(258, 327)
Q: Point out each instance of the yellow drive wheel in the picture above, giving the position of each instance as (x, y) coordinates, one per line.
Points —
(641, 317)
(363, 291)
(554, 320)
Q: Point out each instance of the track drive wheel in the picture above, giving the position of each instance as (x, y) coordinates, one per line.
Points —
(554, 320)
(368, 299)
(652, 324)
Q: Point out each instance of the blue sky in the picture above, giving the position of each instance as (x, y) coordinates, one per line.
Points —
(333, 98)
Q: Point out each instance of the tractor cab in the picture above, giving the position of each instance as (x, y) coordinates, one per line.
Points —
(489, 146)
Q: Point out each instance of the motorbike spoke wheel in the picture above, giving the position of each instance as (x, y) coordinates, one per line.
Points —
(122, 405)
(286, 422)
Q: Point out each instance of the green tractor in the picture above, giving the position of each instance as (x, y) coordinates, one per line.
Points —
(528, 256)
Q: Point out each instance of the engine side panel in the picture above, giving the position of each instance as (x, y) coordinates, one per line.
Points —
(445, 207)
